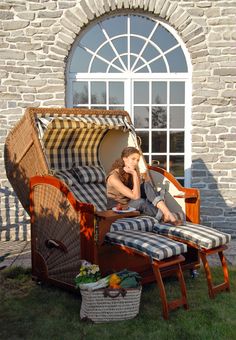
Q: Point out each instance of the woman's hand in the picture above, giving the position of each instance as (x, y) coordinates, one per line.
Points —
(130, 170)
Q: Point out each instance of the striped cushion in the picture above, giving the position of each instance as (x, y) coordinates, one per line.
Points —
(154, 245)
(89, 174)
(143, 223)
(203, 237)
(94, 193)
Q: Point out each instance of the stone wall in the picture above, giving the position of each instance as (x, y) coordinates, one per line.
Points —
(36, 37)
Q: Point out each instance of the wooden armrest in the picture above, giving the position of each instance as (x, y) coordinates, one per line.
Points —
(185, 196)
(110, 214)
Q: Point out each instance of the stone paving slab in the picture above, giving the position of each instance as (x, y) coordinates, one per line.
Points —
(20, 254)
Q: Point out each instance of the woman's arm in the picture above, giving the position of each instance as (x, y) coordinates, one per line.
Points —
(133, 194)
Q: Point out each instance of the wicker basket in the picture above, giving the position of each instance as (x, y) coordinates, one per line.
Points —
(104, 305)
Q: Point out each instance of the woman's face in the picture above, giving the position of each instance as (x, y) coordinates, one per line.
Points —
(132, 161)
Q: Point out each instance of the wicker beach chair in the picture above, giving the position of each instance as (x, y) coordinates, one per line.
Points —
(56, 160)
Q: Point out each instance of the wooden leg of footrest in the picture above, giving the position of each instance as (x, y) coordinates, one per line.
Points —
(167, 307)
(213, 290)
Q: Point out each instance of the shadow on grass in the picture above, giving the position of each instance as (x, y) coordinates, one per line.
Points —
(30, 311)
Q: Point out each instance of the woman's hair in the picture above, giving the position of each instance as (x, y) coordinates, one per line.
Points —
(119, 164)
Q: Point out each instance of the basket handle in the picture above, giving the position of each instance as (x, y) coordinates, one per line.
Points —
(51, 243)
(120, 291)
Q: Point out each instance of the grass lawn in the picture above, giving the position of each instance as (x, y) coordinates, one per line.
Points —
(30, 311)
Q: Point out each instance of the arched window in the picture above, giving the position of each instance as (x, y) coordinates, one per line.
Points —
(139, 64)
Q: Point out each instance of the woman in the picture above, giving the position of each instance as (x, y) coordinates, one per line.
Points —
(125, 187)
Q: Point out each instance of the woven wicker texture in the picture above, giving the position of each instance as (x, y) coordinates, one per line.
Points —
(98, 308)
(56, 220)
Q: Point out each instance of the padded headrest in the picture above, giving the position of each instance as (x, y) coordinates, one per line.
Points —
(89, 174)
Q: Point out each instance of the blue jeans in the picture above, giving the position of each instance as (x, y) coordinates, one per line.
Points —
(148, 201)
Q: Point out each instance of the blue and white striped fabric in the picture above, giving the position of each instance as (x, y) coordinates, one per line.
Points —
(88, 185)
(203, 237)
(151, 244)
(142, 223)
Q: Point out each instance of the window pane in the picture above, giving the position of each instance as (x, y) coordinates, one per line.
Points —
(99, 66)
(120, 45)
(80, 61)
(141, 117)
(80, 92)
(98, 92)
(159, 117)
(158, 66)
(141, 92)
(159, 161)
(118, 64)
(106, 52)
(150, 52)
(116, 93)
(163, 38)
(143, 70)
(176, 60)
(97, 107)
(159, 92)
(176, 141)
(115, 26)
(116, 107)
(136, 44)
(158, 141)
(177, 166)
(93, 38)
(177, 117)
(144, 135)
(140, 25)
(177, 92)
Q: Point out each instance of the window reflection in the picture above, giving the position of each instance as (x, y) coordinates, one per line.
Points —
(177, 117)
(177, 92)
(144, 135)
(98, 92)
(177, 166)
(159, 92)
(137, 25)
(159, 117)
(141, 117)
(163, 38)
(93, 38)
(116, 25)
(158, 141)
(80, 92)
(176, 141)
(116, 93)
(141, 92)
(158, 66)
(159, 161)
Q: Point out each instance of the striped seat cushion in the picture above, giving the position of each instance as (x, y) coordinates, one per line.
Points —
(143, 223)
(154, 245)
(203, 237)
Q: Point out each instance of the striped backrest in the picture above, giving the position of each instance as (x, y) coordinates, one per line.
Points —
(142, 223)
(87, 184)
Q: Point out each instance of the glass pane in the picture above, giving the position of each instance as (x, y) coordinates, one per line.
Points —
(144, 135)
(158, 141)
(176, 141)
(115, 25)
(117, 63)
(116, 107)
(136, 44)
(120, 45)
(141, 117)
(106, 52)
(150, 52)
(125, 60)
(177, 117)
(141, 25)
(80, 61)
(158, 66)
(143, 70)
(163, 38)
(177, 92)
(141, 92)
(146, 157)
(159, 92)
(99, 66)
(159, 117)
(116, 92)
(97, 107)
(159, 161)
(177, 166)
(98, 92)
(93, 38)
(80, 92)
(177, 61)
